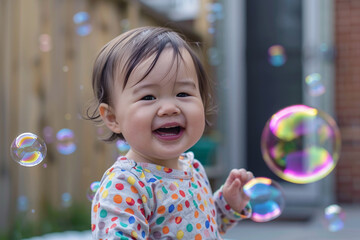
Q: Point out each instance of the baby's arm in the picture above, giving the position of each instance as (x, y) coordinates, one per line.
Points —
(119, 209)
(231, 201)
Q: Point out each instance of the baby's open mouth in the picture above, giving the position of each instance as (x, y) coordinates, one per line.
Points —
(167, 131)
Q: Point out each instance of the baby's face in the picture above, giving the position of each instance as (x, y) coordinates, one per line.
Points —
(163, 115)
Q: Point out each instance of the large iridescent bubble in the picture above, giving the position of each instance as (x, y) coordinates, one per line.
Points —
(301, 144)
(266, 199)
(28, 149)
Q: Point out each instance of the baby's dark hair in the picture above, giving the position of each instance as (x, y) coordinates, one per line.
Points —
(128, 50)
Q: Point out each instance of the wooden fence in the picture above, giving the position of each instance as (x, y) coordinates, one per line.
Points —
(45, 72)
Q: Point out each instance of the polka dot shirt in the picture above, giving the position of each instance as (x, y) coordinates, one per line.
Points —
(148, 201)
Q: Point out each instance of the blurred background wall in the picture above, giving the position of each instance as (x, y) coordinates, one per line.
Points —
(46, 58)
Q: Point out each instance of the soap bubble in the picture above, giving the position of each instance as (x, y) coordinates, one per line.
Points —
(66, 199)
(92, 190)
(266, 199)
(301, 144)
(22, 203)
(28, 149)
(81, 20)
(65, 141)
(84, 30)
(122, 146)
(81, 17)
(45, 42)
(334, 217)
(276, 55)
(315, 84)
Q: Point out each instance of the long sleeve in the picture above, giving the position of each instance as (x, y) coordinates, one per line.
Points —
(148, 201)
(120, 208)
(226, 216)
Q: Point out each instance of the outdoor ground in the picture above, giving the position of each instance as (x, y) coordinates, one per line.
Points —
(313, 229)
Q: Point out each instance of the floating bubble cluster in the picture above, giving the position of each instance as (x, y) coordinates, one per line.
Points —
(334, 218)
(92, 190)
(83, 26)
(65, 141)
(315, 85)
(301, 144)
(266, 199)
(28, 150)
(276, 55)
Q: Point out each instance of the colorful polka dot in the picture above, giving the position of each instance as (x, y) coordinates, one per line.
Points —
(179, 207)
(130, 211)
(111, 176)
(117, 199)
(131, 180)
(165, 230)
(144, 199)
(119, 186)
(189, 227)
(123, 224)
(148, 189)
(179, 234)
(171, 208)
(133, 189)
(152, 180)
(131, 220)
(160, 220)
(164, 190)
(103, 213)
(105, 194)
(134, 234)
(182, 193)
(161, 209)
(178, 220)
(130, 201)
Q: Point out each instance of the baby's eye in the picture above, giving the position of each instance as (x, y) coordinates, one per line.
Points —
(148, 98)
(182, 94)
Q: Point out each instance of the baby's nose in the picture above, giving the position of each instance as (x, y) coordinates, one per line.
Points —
(168, 108)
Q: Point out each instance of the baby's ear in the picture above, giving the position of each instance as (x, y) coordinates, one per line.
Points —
(108, 116)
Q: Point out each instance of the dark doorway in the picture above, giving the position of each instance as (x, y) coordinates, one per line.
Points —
(269, 87)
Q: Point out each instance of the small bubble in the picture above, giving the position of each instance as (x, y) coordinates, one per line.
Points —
(66, 199)
(334, 218)
(276, 55)
(92, 190)
(266, 199)
(28, 150)
(65, 141)
(45, 43)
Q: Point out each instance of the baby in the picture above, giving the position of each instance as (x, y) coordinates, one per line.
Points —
(152, 91)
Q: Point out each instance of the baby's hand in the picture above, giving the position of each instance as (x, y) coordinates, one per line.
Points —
(233, 189)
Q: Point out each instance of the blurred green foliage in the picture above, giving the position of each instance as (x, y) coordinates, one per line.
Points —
(75, 217)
